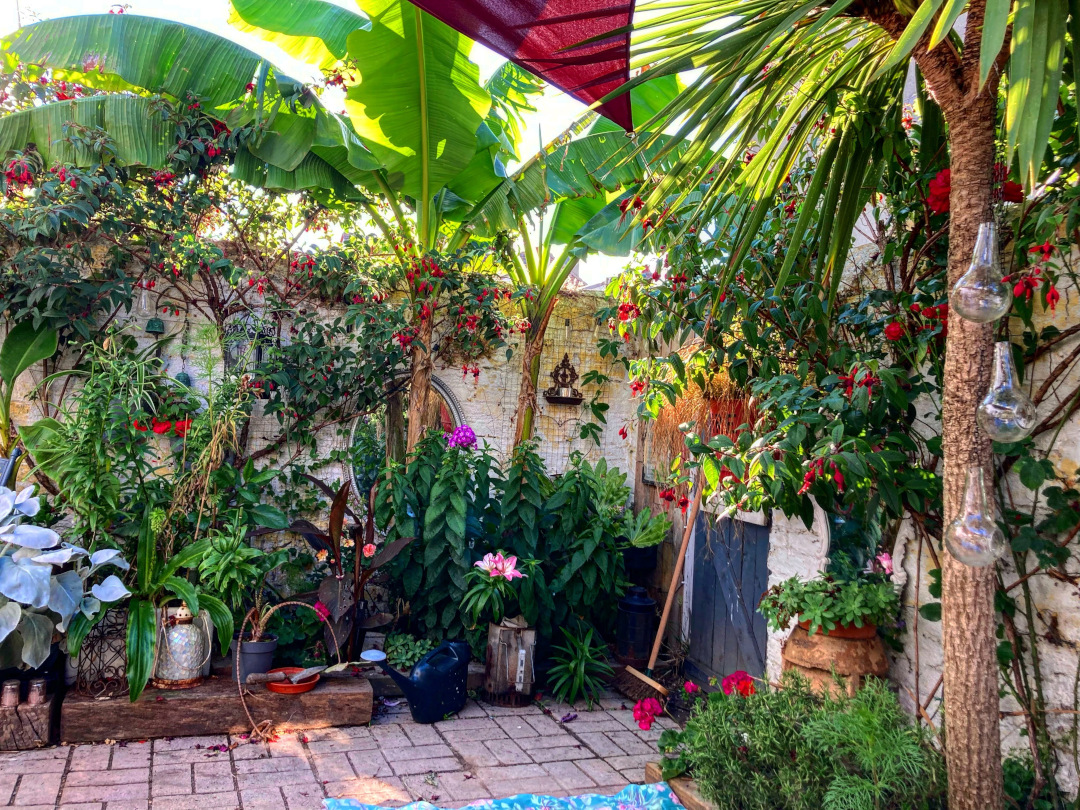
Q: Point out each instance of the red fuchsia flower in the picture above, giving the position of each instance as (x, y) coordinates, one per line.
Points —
(738, 681)
(636, 387)
(160, 428)
(667, 495)
(1052, 297)
(1046, 249)
(691, 688)
(894, 331)
(646, 711)
(622, 431)
(181, 427)
(369, 550)
(1012, 192)
(322, 611)
(683, 503)
(940, 186)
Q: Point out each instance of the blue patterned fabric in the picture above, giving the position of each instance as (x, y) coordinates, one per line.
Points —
(633, 797)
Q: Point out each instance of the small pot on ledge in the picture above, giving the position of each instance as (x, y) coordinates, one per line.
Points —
(255, 656)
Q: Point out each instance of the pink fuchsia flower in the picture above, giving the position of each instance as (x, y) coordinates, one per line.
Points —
(369, 550)
(322, 611)
(646, 711)
(691, 688)
(885, 560)
(738, 681)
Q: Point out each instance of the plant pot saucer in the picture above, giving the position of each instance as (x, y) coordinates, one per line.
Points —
(288, 687)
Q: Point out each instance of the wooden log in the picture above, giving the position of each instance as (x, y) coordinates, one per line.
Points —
(24, 727)
(682, 786)
(214, 708)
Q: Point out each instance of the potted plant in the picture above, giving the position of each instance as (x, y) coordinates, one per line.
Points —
(511, 643)
(838, 618)
(642, 533)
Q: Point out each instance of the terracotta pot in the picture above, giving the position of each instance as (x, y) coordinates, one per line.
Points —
(844, 631)
(820, 657)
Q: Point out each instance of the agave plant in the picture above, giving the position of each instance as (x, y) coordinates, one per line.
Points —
(36, 601)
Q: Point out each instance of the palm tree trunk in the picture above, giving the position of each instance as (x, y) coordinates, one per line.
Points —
(420, 383)
(524, 418)
(973, 744)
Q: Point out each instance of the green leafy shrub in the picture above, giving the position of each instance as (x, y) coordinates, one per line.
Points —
(403, 650)
(580, 669)
(828, 601)
(793, 749)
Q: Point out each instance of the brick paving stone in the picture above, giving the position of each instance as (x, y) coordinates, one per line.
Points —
(107, 792)
(563, 740)
(544, 725)
(475, 735)
(274, 779)
(390, 736)
(80, 806)
(369, 790)
(22, 763)
(561, 754)
(273, 765)
(357, 732)
(333, 767)
(128, 804)
(502, 711)
(622, 764)
(472, 710)
(128, 776)
(262, 799)
(508, 753)
(599, 725)
(631, 743)
(213, 777)
(414, 766)
(132, 755)
(249, 749)
(601, 773)
(460, 724)
(421, 788)
(475, 754)
(304, 797)
(569, 776)
(422, 735)
(512, 787)
(187, 749)
(461, 789)
(369, 763)
(171, 780)
(40, 788)
(342, 745)
(600, 744)
(7, 786)
(208, 801)
(90, 757)
(516, 727)
(511, 772)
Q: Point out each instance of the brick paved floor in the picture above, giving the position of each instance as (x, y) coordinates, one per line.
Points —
(484, 752)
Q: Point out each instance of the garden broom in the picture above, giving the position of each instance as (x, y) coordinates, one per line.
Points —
(635, 684)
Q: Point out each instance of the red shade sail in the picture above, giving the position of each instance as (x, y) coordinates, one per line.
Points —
(543, 37)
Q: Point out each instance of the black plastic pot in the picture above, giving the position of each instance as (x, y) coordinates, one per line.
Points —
(255, 656)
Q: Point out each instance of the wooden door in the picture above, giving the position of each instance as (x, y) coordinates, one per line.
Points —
(730, 574)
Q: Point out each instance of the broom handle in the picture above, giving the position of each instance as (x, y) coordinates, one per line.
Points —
(679, 560)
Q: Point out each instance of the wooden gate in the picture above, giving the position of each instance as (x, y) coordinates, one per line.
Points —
(729, 576)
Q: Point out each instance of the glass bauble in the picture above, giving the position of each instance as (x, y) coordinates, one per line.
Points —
(980, 295)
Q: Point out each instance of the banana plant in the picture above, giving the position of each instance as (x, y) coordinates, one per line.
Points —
(23, 346)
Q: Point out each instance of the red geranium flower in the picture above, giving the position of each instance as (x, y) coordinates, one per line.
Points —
(940, 186)
(322, 611)
(160, 428)
(137, 426)
(738, 681)
(181, 427)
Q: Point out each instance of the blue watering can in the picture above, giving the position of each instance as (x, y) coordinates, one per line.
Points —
(437, 686)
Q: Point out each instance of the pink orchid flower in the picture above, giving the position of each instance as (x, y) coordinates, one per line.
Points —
(496, 565)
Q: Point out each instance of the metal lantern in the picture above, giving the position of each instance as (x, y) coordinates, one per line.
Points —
(183, 651)
(102, 663)
(184, 379)
(155, 326)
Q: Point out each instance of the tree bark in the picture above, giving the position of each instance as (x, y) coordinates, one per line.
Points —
(525, 417)
(973, 744)
(420, 382)
(972, 735)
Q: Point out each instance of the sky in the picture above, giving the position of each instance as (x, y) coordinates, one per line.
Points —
(555, 110)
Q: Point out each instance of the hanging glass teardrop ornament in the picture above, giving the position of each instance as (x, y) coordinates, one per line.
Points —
(1006, 413)
(980, 295)
(974, 538)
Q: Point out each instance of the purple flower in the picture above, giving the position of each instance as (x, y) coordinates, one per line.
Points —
(461, 437)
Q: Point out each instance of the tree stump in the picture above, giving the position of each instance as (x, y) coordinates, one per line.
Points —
(25, 727)
(819, 658)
